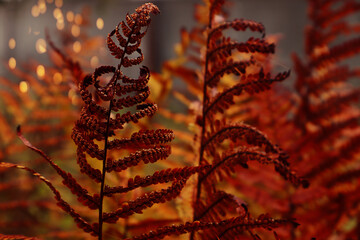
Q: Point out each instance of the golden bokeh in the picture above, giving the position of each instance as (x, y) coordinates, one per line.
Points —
(100, 23)
(12, 63)
(75, 30)
(57, 78)
(94, 62)
(78, 19)
(57, 13)
(50, 1)
(73, 96)
(23, 86)
(40, 71)
(42, 6)
(58, 3)
(71, 93)
(60, 25)
(70, 16)
(12, 43)
(77, 46)
(40, 46)
(35, 11)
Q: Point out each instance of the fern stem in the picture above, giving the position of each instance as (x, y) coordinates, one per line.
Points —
(117, 73)
(205, 99)
(203, 125)
(104, 172)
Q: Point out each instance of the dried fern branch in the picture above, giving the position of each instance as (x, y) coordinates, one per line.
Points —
(95, 133)
(219, 143)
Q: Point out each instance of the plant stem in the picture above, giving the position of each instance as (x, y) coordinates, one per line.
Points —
(203, 125)
(117, 74)
(104, 172)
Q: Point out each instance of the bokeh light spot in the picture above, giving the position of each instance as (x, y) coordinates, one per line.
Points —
(23, 86)
(40, 71)
(60, 25)
(70, 16)
(40, 46)
(94, 61)
(12, 43)
(75, 30)
(42, 6)
(100, 23)
(57, 13)
(77, 46)
(57, 78)
(58, 3)
(78, 19)
(35, 11)
(12, 63)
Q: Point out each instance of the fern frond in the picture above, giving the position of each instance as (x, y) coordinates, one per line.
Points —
(238, 25)
(224, 99)
(237, 131)
(215, 7)
(116, 51)
(68, 180)
(320, 38)
(263, 221)
(252, 45)
(337, 53)
(327, 120)
(346, 176)
(136, 206)
(326, 82)
(241, 157)
(149, 155)
(323, 15)
(240, 224)
(17, 237)
(81, 223)
(217, 205)
(73, 66)
(217, 72)
(143, 138)
(326, 107)
(231, 158)
(346, 151)
(162, 176)
(143, 110)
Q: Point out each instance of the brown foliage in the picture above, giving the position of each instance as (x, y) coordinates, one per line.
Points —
(223, 177)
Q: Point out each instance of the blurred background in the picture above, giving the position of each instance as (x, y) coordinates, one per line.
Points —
(23, 24)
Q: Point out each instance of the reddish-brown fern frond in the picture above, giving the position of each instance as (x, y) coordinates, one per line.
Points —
(230, 70)
(47, 108)
(96, 123)
(163, 176)
(327, 120)
(217, 205)
(96, 132)
(136, 206)
(16, 237)
(81, 223)
(225, 229)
